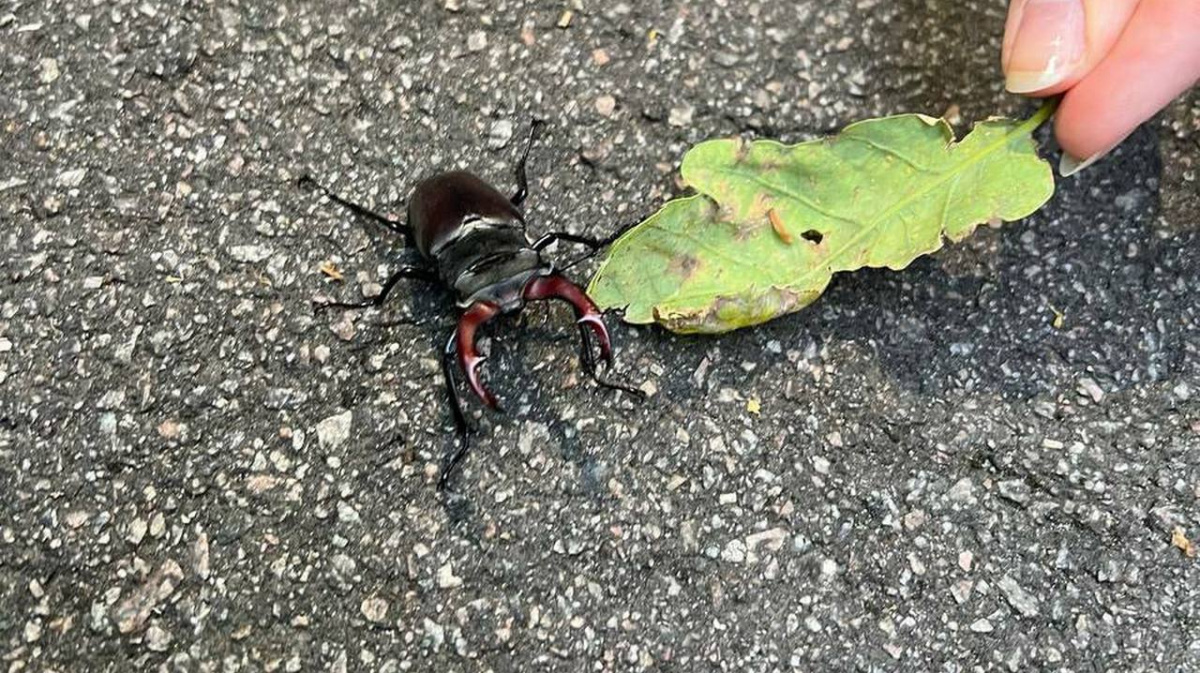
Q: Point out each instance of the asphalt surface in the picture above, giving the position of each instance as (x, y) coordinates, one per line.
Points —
(197, 473)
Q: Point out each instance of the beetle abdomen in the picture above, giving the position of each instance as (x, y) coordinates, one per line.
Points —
(442, 205)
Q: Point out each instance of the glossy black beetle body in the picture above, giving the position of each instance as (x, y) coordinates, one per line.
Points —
(474, 241)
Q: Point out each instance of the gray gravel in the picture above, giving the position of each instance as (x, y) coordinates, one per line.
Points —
(200, 474)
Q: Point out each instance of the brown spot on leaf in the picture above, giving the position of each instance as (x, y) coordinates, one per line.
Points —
(725, 213)
(742, 229)
(747, 229)
(685, 266)
(769, 165)
(761, 204)
(730, 312)
(741, 150)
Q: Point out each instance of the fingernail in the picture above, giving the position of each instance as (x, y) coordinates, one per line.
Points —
(1049, 43)
(1069, 165)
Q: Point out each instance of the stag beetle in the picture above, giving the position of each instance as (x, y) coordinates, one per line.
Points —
(473, 240)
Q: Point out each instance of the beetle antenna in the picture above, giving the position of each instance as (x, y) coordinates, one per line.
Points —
(602, 244)
(518, 198)
(307, 182)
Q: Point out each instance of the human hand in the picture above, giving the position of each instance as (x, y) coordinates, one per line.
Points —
(1118, 62)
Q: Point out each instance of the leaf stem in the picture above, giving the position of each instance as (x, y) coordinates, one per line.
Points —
(1043, 114)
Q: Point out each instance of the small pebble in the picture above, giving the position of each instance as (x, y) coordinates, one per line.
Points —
(334, 431)
(49, 70)
(446, 578)
(375, 609)
(500, 134)
(681, 116)
(606, 105)
(157, 639)
(982, 626)
(1015, 490)
(137, 531)
(1018, 598)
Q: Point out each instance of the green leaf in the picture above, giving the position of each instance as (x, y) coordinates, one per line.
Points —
(771, 223)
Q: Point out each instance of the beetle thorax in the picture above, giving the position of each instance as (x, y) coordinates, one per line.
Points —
(489, 261)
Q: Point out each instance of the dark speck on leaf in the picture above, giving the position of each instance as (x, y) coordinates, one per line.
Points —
(684, 265)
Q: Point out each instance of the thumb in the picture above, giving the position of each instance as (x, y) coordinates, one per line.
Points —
(1049, 45)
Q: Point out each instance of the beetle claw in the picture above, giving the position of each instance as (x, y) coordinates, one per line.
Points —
(588, 317)
(469, 359)
(471, 368)
(596, 323)
(586, 312)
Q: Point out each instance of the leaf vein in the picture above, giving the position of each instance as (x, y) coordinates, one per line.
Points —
(873, 223)
(892, 152)
(784, 192)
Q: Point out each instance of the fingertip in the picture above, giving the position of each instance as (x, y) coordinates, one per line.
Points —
(1047, 43)
(1011, 28)
(1156, 59)
(1050, 45)
(1072, 138)
(1087, 135)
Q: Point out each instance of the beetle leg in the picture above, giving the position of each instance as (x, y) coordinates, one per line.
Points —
(454, 460)
(588, 359)
(307, 182)
(468, 358)
(589, 318)
(417, 272)
(461, 427)
(522, 180)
